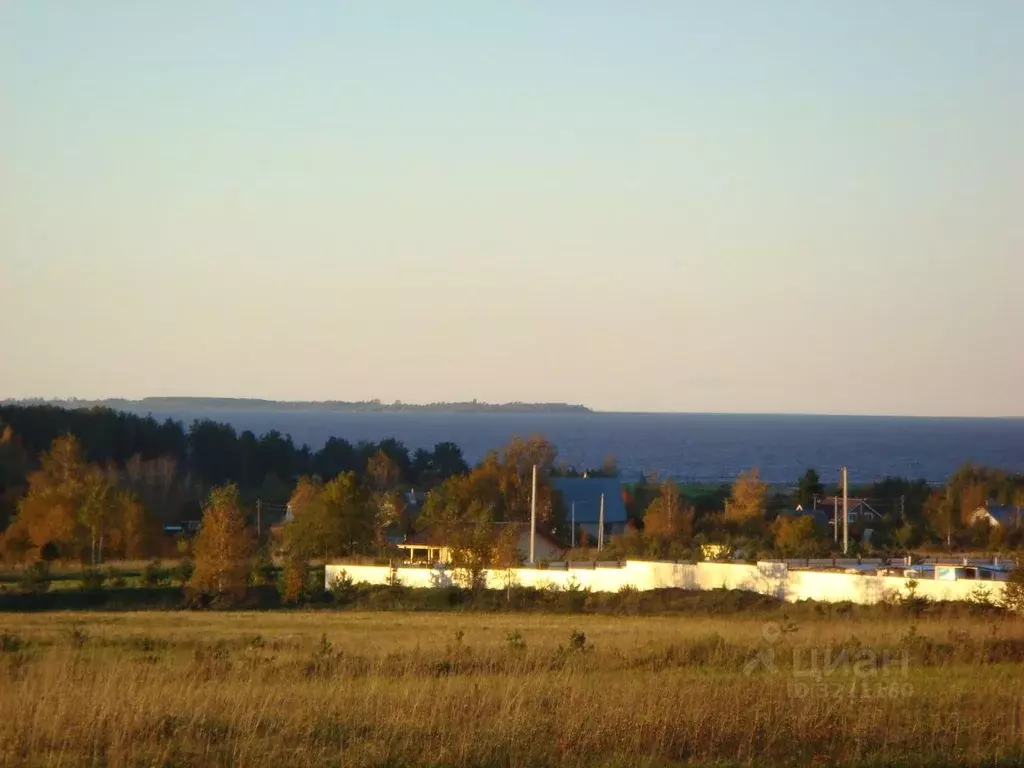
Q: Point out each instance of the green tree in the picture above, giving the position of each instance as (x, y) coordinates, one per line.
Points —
(808, 488)
(447, 461)
(13, 474)
(223, 548)
(1013, 593)
(331, 520)
(473, 544)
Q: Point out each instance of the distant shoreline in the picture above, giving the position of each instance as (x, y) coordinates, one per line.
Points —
(228, 404)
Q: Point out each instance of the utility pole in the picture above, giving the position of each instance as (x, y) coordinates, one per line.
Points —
(835, 518)
(574, 525)
(846, 512)
(600, 526)
(533, 517)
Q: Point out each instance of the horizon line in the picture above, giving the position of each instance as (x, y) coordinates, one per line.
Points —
(591, 409)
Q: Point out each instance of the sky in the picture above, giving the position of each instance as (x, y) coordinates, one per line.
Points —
(788, 206)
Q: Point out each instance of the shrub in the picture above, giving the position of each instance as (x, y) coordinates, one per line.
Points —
(514, 640)
(577, 643)
(153, 575)
(11, 643)
(183, 572)
(35, 580)
(324, 659)
(343, 589)
(1013, 593)
(263, 570)
(316, 579)
(575, 595)
(117, 579)
(93, 579)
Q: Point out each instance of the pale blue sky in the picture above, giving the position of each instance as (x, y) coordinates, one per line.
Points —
(697, 206)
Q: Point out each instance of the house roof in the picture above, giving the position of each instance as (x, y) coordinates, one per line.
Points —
(860, 507)
(585, 493)
(1004, 515)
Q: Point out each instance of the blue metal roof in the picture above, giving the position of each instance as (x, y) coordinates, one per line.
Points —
(1005, 515)
(586, 492)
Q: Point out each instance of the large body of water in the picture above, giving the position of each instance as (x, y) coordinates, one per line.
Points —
(685, 446)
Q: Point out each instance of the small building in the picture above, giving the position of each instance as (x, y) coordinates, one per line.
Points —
(857, 510)
(1005, 516)
(581, 503)
(432, 546)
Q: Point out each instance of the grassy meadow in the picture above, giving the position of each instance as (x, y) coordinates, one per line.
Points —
(533, 689)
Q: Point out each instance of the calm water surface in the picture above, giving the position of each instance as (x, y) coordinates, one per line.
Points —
(687, 446)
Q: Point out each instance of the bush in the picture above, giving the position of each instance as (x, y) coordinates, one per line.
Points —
(93, 579)
(343, 589)
(575, 596)
(514, 640)
(577, 643)
(316, 579)
(117, 579)
(153, 575)
(183, 572)
(1013, 593)
(263, 570)
(11, 643)
(36, 578)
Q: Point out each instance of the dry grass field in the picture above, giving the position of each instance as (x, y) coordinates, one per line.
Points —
(448, 689)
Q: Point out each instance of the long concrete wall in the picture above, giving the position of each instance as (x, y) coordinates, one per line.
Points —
(768, 578)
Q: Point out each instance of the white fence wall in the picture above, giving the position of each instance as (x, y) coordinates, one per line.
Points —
(768, 578)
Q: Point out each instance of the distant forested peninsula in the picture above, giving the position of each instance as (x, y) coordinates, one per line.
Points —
(222, 404)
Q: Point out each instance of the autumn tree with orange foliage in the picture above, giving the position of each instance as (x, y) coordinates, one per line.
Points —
(668, 523)
(798, 536)
(500, 487)
(223, 548)
(745, 509)
(74, 510)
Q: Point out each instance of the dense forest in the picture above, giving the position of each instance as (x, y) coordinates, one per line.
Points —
(94, 483)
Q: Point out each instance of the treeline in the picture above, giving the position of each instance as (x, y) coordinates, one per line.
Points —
(751, 519)
(107, 483)
(98, 484)
(208, 452)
